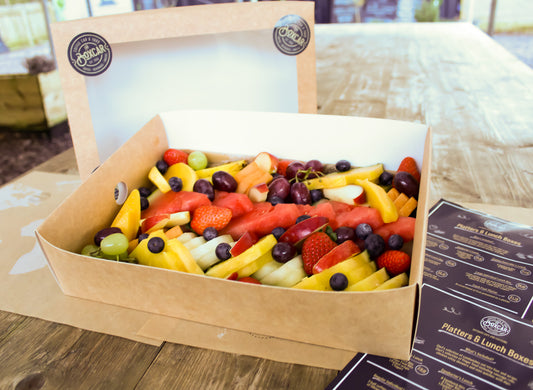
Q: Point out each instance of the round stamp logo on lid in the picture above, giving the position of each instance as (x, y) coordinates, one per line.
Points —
(89, 54)
(291, 35)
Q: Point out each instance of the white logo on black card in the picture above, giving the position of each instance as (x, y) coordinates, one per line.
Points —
(89, 54)
(495, 326)
(291, 35)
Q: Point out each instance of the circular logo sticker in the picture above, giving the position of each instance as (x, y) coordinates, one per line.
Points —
(495, 326)
(292, 35)
(89, 54)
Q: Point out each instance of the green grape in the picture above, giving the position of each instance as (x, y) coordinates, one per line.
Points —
(90, 250)
(197, 160)
(114, 244)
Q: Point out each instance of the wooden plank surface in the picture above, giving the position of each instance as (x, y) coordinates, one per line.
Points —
(476, 96)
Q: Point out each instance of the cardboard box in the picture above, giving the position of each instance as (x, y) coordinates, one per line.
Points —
(380, 323)
(119, 71)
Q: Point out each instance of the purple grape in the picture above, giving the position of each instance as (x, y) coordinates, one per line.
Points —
(293, 169)
(279, 187)
(316, 195)
(345, 233)
(283, 252)
(300, 194)
(223, 181)
(314, 165)
(385, 179)
(100, 235)
(406, 183)
(203, 186)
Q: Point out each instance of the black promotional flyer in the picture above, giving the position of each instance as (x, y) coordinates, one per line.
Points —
(475, 327)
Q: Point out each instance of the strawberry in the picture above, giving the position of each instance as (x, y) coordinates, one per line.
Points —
(313, 248)
(394, 261)
(408, 165)
(174, 156)
(210, 216)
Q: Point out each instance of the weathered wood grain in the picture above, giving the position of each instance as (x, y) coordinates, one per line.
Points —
(475, 95)
(49, 355)
(184, 367)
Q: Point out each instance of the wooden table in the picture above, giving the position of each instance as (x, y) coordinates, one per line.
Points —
(478, 99)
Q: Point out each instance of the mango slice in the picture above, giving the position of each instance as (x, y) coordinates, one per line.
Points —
(378, 199)
(371, 282)
(395, 282)
(128, 218)
(232, 168)
(158, 180)
(187, 175)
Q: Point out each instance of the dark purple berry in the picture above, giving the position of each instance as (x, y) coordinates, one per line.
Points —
(277, 232)
(343, 165)
(156, 244)
(162, 166)
(142, 236)
(144, 203)
(363, 230)
(144, 192)
(375, 245)
(210, 233)
(100, 235)
(385, 179)
(223, 251)
(395, 242)
(338, 282)
(302, 218)
(283, 252)
(345, 233)
(175, 183)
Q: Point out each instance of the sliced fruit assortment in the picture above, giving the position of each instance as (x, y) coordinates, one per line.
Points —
(278, 222)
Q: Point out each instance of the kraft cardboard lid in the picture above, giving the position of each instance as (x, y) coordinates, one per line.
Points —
(118, 71)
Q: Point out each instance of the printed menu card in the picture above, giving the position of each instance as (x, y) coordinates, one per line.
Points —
(475, 328)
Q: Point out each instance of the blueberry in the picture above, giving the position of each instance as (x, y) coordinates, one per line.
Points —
(283, 252)
(144, 203)
(162, 166)
(143, 236)
(274, 200)
(278, 232)
(156, 244)
(144, 192)
(385, 179)
(176, 184)
(302, 218)
(343, 165)
(338, 281)
(210, 233)
(395, 242)
(363, 230)
(223, 251)
(316, 195)
(375, 245)
(345, 233)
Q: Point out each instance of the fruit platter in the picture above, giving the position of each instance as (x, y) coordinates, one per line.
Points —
(268, 220)
(320, 246)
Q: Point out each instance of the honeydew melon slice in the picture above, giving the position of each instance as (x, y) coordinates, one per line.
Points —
(205, 254)
(187, 236)
(395, 282)
(194, 243)
(256, 265)
(287, 275)
(233, 264)
(269, 267)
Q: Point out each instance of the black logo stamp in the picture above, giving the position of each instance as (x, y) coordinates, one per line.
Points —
(292, 35)
(89, 54)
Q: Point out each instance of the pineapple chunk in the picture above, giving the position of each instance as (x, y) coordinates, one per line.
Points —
(395, 282)
(370, 282)
(340, 179)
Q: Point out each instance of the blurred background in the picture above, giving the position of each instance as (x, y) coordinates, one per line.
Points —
(33, 119)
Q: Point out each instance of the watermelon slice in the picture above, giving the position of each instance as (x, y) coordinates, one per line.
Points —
(262, 219)
(360, 214)
(172, 202)
(404, 226)
(239, 204)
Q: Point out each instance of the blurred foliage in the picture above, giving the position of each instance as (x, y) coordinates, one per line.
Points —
(428, 11)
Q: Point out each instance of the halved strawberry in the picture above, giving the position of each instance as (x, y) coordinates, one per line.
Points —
(408, 164)
(174, 156)
(210, 216)
(394, 261)
(313, 248)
